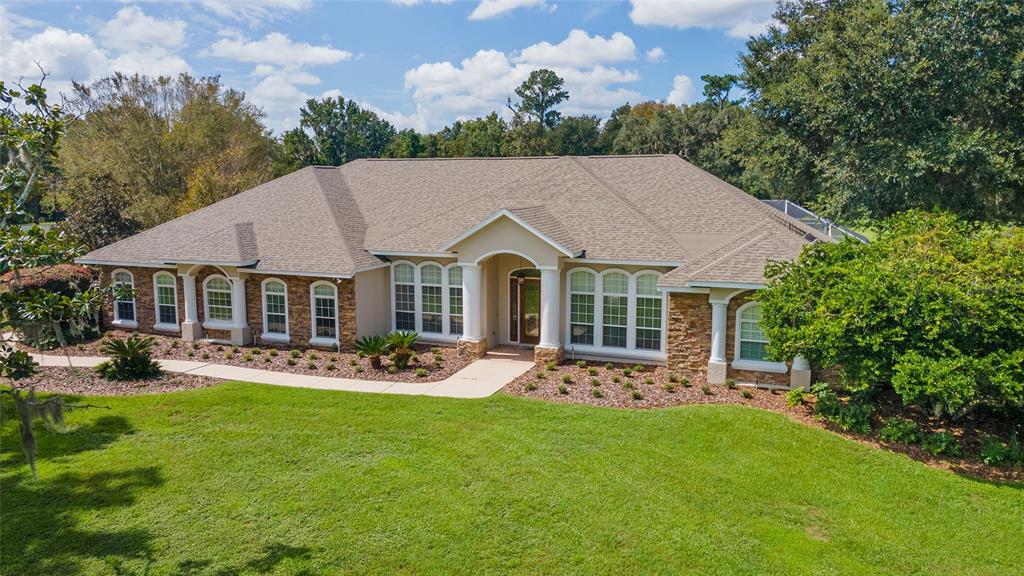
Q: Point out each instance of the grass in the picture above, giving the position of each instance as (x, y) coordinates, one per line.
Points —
(250, 479)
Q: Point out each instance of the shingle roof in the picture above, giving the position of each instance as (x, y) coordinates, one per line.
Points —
(331, 220)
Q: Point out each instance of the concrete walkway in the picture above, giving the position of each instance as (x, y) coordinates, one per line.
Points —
(478, 380)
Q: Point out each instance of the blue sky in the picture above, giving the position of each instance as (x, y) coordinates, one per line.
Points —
(419, 63)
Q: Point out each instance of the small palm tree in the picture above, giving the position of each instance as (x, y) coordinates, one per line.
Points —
(402, 343)
(130, 359)
(373, 347)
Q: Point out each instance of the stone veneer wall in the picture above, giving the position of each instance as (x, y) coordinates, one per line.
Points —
(299, 308)
(689, 339)
(145, 308)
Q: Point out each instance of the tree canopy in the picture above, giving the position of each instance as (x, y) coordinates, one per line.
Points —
(333, 131)
(539, 94)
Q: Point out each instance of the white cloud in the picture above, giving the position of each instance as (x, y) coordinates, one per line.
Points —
(490, 8)
(481, 83)
(739, 18)
(579, 49)
(275, 48)
(131, 29)
(154, 61)
(655, 54)
(417, 2)
(62, 54)
(683, 91)
(254, 11)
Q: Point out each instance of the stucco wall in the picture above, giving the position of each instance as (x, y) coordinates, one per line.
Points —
(373, 302)
(504, 235)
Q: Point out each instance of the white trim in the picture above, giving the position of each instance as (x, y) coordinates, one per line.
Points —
(275, 336)
(367, 269)
(758, 365)
(725, 299)
(598, 348)
(505, 251)
(166, 326)
(293, 273)
(507, 308)
(410, 254)
(503, 212)
(321, 340)
(91, 262)
(217, 323)
(445, 334)
(684, 290)
(622, 262)
(231, 263)
(744, 285)
(118, 321)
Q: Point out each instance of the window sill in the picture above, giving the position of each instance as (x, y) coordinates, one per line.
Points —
(219, 325)
(323, 341)
(610, 352)
(166, 327)
(125, 324)
(761, 366)
(274, 337)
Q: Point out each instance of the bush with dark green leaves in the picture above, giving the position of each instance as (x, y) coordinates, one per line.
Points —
(901, 430)
(941, 444)
(854, 416)
(995, 452)
(129, 359)
(933, 309)
(402, 344)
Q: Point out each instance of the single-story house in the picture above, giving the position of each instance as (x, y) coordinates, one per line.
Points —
(627, 258)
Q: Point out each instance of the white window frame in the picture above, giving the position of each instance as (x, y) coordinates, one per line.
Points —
(634, 303)
(217, 324)
(758, 365)
(601, 279)
(320, 340)
(274, 336)
(134, 322)
(598, 348)
(420, 287)
(596, 293)
(447, 295)
(445, 336)
(163, 326)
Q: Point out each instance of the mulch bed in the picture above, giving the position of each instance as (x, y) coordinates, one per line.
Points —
(86, 382)
(652, 385)
(314, 362)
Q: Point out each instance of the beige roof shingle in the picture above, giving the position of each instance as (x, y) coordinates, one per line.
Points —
(331, 220)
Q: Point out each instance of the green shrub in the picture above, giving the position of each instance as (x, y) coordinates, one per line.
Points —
(795, 397)
(628, 385)
(206, 355)
(649, 381)
(592, 371)
(551, 366)
(220, 348)
(228, 354)
(541, 375)
(330, 366)
(129, 359)
(361, 355)
(195, 345)
(995, 452)
(414, 359)
(581, 363)
(900, 430)
(673, 378)
(272, 352)
(291, 362)
(359, 370)
(437, 363)
(421, 372)
(234, 349)
(854, 417)
(638, 368)
(567, 378)
(562, 389)
(827, 402)
(706, 390)
(190, 353)
(746, 393)
(627, 373)
(402, 345)
(730, 383)
(685, 382)
(941, 444)
(312, 355)
(530, 386)
(595, 382)
(353, 362)
(247, 357)
(294, 353)
(636, 395)
(311, 365)
(392, 369)
(267, 359)
(435, 350)
(609, 366)
(373, 347)
(173, 344)
(670, 386)
(616, 379)
(596, 393)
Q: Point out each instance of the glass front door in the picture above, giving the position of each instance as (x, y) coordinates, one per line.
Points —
(524, 307)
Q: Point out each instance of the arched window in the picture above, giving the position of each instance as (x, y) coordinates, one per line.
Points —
(325, 311)
(648, 313)
(455, 300)
(217, 295)
(581, 307)
(404, 279)
(275, 309)
(431, 306)
(124, 297)
(752, 340)
(165, 290)
(615, 316)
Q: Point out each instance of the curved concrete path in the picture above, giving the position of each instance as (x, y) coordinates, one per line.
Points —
(478, 380)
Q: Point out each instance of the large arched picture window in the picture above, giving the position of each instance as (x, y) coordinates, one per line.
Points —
(325, 311)
(124, 303)
(404, 279)
(166, 295)
(275, 309)
(615, 312)
(217, 295)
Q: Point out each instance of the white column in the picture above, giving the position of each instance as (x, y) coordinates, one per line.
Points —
(717, 363)
(240, 334)
(471, 303)
(550, 297)
(190, 328)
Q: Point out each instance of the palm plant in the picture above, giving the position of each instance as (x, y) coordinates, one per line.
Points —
(130, 359)
(402, 343)
(373, 347)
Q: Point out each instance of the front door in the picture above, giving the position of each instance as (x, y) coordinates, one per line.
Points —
(524, 310)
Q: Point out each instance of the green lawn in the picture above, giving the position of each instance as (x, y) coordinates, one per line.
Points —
(249, 479)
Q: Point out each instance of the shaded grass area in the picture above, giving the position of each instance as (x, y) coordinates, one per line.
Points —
(249, 479)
